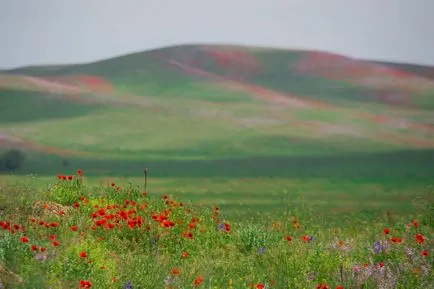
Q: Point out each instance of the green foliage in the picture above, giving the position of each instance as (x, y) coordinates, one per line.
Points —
(68, 193)
(149, 254)
(252, 238)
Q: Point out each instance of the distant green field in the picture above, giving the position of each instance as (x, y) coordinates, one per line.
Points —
(20, 107)
(247, 197)
(255, 116)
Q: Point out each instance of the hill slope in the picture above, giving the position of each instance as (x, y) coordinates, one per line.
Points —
(210, 103)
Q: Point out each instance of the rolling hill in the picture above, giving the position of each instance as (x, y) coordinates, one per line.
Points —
(218, 110)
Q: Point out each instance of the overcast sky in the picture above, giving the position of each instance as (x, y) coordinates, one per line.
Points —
(65, 31)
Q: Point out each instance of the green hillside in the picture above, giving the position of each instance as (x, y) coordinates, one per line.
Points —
(199, 110)
(424, 71)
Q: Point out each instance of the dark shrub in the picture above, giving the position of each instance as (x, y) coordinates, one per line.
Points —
(11, 160)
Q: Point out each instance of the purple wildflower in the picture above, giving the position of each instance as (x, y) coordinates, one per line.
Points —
(378, 247)
(40, 257)
(128, 285)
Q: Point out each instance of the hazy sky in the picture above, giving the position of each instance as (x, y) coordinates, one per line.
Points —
(64, 31)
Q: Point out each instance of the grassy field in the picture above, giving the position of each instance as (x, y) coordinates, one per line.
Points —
(268, 136)
(227, 234)
(211, 103)
(245, 196)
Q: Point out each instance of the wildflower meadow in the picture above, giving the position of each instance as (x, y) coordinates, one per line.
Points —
(268, 168)
(73, 235)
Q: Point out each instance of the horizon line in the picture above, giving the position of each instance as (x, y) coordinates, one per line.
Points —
(378, 60)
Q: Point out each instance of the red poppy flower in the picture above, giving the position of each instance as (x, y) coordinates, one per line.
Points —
(83, 254)
(101, 222)
(306, 238)
(227, 227)
(80, 172)
(74, 228)
(323, 286)
(85, 284)
(424, 253)
(386, 231)
(396, 240)
(288, 238)
(420, 238)
(199, 280)
(24, 239)
(56, 243)
(133, 223)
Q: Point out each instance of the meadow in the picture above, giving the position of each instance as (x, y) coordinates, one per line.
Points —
(119, 235)
(264, 169)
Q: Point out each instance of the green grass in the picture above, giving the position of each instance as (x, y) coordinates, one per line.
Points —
(163, 113)
(379, 165)
(185, 129)
(261, 162)
(255, 250)
(189, 90)
(28, 106)
(208, 131)
(239, 196)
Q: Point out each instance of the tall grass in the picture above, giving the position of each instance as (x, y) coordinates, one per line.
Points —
(72, 235)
